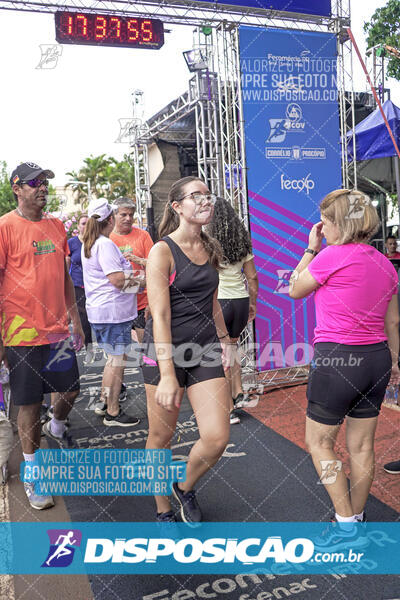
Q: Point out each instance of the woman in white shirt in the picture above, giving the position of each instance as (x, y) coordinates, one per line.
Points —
(238, 301)
(111, 287)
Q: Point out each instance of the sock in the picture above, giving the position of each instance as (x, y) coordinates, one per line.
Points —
(345, 523)
(30, 457)
(345, 519)
(57, 427)
(360, 516)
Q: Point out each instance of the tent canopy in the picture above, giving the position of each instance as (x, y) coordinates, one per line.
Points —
(372, 137)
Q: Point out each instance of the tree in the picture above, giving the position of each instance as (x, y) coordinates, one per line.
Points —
(107, 177)
(121, 178)
(7, 200)
(53, 200)
(383, 28)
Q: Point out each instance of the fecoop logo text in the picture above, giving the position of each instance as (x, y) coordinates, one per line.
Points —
(191, 550)
(299, 185)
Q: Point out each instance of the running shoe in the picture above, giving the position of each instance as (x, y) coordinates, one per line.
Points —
(120, 420)
(100, 408)
(38, 502)
(123, 395)
(245, 401)
(90, 357)
(50, 415)
(166, 517)
(234, 417)
(364, 519)
(66, 442)
(393, 467)
(340, 536)
(190, 509)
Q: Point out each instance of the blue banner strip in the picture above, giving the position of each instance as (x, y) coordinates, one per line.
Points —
(103, 472)
(213, 548)
(308, 7)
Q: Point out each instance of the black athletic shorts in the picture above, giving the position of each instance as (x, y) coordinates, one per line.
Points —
(236, 315)
(186, 376)
(38, 370)
(347, 381)
(140, 321)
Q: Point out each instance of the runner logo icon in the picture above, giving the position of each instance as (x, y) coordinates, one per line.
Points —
(283, 281)
(305, 184)
(293, 122)
(62, 547)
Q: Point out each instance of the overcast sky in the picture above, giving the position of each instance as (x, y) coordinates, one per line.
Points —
(56, 117)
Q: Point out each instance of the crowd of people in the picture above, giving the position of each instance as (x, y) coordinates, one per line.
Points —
(186, 299)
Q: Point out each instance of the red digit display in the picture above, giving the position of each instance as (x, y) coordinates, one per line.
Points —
(115, 27)
(133, 31)
(108, 30)
(81, 25)
(100, 28)
(147, 31)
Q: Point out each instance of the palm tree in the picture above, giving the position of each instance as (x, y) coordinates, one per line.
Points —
(94, 171)
(121, 178)
(107, 177)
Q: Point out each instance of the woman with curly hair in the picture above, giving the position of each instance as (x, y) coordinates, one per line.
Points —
(237, 301)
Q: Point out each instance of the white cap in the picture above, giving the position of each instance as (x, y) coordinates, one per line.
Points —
(100, 207)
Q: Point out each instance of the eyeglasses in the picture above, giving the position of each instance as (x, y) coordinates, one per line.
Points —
(35, 183)
(199, 198)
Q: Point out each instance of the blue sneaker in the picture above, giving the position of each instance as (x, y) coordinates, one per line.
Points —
(340, 536)
(190, 509)
(38, 502)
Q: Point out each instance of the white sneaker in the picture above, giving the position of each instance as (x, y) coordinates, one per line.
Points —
(234, 418)
(245, 401)
(38, 502)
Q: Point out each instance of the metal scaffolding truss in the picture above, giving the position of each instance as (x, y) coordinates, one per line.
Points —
(176, 110)
(215, 93)
(185, 12)
(140, 157)
(345, 88)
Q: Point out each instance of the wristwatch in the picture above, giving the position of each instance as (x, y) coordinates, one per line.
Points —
(313, 252)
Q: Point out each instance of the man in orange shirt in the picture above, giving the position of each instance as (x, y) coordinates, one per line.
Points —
(36, 295)
(135, 244)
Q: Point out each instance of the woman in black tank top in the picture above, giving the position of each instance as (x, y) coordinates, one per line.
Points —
(183, 339)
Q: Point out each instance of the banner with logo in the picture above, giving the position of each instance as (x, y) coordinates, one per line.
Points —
(215, 548)
(292, 134)
(305, 7)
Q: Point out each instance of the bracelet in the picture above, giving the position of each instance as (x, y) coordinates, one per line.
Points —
(223, 336)
(313, 252)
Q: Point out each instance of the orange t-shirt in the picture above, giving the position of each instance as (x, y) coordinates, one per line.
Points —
(32, 259)
(139, 243)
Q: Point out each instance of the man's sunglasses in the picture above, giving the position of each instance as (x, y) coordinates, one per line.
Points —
(35, 183)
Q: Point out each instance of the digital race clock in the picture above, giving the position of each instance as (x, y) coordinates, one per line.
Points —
(108, 30)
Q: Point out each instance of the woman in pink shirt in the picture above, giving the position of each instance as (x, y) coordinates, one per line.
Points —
(356, 344)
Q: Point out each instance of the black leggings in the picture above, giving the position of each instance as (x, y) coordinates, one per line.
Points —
(81, 304)
(236, 314)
